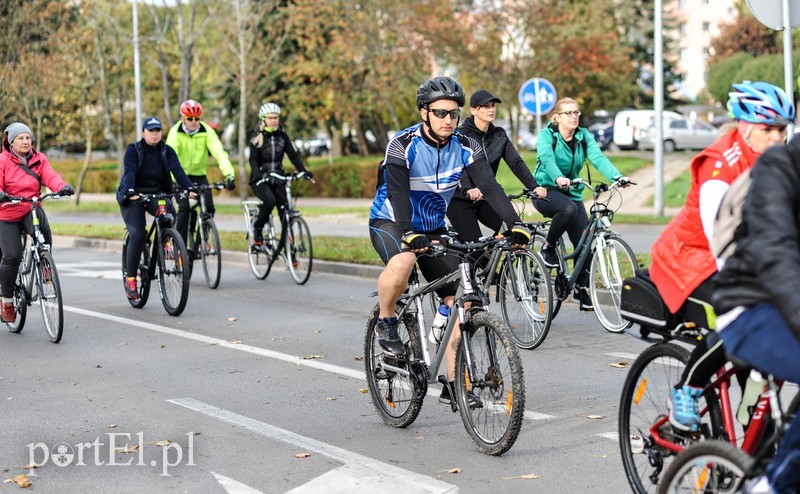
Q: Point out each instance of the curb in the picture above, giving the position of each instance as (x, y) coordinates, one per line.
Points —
(229, 257)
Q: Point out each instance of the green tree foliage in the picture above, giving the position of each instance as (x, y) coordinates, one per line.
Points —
(744, 34)
(723, 74)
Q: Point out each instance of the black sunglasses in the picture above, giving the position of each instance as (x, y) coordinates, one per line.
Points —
(441, 113)
(192, 119)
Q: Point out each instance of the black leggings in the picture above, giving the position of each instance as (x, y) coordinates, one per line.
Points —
(271, 196)
(465, 215)
(11, 248)
(136, 224)
(568, 217)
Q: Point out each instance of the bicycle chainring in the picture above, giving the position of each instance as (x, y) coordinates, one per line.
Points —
(561, 286)
(418, 375)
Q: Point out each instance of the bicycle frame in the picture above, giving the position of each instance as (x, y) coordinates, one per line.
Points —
(288, 212)
(195, 219)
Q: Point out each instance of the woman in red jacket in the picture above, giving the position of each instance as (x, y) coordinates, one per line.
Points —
(23, 171)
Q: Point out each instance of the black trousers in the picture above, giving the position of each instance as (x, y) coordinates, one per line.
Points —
(270, 196)
(11, 247)
(568, 217)
(465, 215)
(136, 224)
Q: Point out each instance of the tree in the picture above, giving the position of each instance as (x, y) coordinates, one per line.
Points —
(744, 34)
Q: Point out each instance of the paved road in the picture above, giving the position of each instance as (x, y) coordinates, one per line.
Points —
(258, 374)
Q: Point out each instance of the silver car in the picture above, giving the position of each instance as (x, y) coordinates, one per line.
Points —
(680, 133)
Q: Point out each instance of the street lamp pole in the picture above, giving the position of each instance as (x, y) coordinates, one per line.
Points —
(658, 104)
(136, 73)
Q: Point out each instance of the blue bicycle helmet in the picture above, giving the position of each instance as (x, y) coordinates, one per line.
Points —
(760, 103)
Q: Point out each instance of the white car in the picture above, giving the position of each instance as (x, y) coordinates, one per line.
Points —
(680, 133)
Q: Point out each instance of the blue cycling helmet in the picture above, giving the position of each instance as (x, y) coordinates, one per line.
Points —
(760, 103)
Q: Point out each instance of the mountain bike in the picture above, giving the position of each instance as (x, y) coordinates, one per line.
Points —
(164, 245)
(612, 258)
(718, 466)
(203, 236)
(294, 245)
(519, 282)
(489, 388)
(37, 277)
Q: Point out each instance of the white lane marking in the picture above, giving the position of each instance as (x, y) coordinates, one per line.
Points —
(361, 469)
(234, 486)
(91, 269)
(630, 356)
(292, 359)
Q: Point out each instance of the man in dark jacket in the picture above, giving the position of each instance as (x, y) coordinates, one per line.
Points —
(468, 205)
(758, 294)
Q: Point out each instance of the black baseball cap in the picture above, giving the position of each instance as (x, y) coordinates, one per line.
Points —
(482, 97)
(151, 123)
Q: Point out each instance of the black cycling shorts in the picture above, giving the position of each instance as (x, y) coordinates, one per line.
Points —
(386, 239)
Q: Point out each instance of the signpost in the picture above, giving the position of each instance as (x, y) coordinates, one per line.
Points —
(538, 96)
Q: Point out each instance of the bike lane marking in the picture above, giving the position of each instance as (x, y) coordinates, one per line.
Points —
(358, 474)
(292, 359)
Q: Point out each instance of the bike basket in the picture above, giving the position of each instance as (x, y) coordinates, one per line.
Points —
(642, 304)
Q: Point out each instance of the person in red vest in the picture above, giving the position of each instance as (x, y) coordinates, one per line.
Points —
(683, 266)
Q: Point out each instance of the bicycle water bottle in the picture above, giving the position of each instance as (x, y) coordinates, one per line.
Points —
(752, 390)
(439, 323)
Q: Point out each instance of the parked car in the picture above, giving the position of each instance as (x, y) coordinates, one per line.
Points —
(604, 135)
(680, 133)
(629, 124)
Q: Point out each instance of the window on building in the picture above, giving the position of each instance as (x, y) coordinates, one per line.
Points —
(682, 28)
(706, 26)
(706, 51)
(681, 4)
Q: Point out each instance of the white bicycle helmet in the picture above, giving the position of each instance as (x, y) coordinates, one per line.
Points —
(268, 108)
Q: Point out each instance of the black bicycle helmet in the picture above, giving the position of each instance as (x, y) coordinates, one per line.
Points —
(439, 88)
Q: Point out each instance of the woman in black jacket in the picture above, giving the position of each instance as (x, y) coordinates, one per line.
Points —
(468, 206)
(267, 147)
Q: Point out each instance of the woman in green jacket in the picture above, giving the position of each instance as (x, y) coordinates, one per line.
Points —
(562, 148)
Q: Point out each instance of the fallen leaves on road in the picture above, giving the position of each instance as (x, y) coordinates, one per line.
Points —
(131, 450)
(111, 426)
(454, 470)
(363, 391)
(232, 319)
(331, 399)
(30, 466)
(595, 417)
(235, 342)
(526, 476)
(358, 358)
(302, 455)
(21, 480)
(165, 442)
(312, 357)
(619, 365)
(162, 346)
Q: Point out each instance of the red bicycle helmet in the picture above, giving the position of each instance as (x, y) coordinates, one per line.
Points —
(191, 108)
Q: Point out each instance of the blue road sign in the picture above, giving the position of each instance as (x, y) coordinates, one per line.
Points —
(537, 95)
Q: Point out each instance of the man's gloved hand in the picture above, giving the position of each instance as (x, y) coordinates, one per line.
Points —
(309, 175)
(3, 196)
(417, 242)
(519, 235)
(66, 190)
(230, 182)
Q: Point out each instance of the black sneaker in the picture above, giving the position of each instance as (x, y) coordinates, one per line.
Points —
(388, 339)
(444, 397)
(581, 294)
(550, 257)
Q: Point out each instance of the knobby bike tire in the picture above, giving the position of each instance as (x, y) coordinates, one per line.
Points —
(50, 300)
(20, 301)
(173, 280)
(643, 403)
(495, 422)
(262, 256)
(708, 467)
(535, 247)
(605, 288)
(395, 398)
(299, 250)
(526, 299)
(212, 256)
(142, 273)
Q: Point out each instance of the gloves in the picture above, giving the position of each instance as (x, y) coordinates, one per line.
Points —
(416, 241)
(309, 175)
(230, 182)
(519, 234)
(3, 196)
(67, 190)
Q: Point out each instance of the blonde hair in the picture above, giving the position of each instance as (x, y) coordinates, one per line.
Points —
(560, 104)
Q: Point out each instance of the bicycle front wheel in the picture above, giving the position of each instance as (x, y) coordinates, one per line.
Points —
(299, 252)
(142, 273)
(173, 280)
(210, 253)
(50, 297)
(708, 467)
(613, 261)
(489, 385)
(398, 399)
(526, 299)
(644, 417)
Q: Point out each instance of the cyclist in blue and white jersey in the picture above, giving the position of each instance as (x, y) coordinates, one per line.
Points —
(419, 175)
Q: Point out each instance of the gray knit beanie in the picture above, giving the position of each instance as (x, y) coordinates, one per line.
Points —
(15, 129)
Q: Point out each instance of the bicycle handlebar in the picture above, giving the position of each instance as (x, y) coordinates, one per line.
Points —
(621, 182)
(285, 178)
(527, 193)
(202, 187)
(34, 199)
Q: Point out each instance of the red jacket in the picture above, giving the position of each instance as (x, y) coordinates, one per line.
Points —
(14, 181)
(681, 256)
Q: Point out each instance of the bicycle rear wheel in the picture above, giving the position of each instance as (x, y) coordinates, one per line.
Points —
(611, 263)
(643, 415)
(210, 252)
(173, 281)
(708, 467)
(494, 420)
(142, 273)
(300, 253)
(526, 299)
(262, 256)
(398, 399)
(50, 297)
